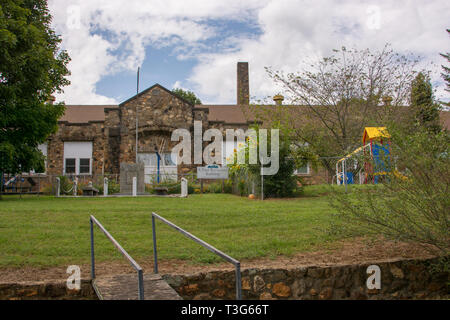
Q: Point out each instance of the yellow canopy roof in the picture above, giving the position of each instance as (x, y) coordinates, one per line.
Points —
(375, 132)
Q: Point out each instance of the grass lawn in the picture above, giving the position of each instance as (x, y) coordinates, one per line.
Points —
(49, 231)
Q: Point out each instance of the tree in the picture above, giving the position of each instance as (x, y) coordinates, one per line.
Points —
(426, 111)
(446, 70)
(409, 206)
(187, 95)
(333, 100)
(279, 185)
(32, 68)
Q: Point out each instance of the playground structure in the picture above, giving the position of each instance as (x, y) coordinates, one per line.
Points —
(370, 162)
(19, 184)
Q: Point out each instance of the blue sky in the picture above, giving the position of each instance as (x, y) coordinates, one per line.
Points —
(196, 44)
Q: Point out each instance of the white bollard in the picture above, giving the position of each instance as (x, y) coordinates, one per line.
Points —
(184, 188)
(105, 187)
(134, 186)
(58, 186)
(75, 186)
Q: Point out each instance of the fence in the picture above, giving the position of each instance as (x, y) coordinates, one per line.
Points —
(48, 184)
(235, 262)
(122, 251)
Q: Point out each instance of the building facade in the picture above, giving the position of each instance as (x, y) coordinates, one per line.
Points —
(96, 139)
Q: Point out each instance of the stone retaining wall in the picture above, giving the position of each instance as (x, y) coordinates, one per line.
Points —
(56, 290)
(405, 279)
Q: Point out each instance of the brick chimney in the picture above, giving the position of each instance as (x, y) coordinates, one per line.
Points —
(278, 99)
(243, 90)
(51, 99)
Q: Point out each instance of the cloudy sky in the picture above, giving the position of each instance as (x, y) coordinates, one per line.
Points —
(195, 44)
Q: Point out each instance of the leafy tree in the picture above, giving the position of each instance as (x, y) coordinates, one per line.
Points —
(32, 68)
(446, 70)
(422, 101)
(187, 95)
(331, 101)
(283, 183)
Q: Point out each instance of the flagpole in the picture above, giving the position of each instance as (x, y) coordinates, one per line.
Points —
(137, 126)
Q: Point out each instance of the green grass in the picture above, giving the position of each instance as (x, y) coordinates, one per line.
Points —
(48, 231)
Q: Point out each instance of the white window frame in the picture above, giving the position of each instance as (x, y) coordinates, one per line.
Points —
(77, 157)
(308, 170)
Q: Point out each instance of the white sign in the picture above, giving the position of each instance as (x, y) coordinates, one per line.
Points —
(212, 172)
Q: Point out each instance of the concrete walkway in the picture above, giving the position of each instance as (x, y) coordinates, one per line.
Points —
(125, 287)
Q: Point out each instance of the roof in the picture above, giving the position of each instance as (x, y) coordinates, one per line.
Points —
(445, 119)
(230, 114)
(375, 132)
(150, 88)
(224, 113)
(85, 113)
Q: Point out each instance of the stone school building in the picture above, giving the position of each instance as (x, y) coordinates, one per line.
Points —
(94, 140)
(97, 139)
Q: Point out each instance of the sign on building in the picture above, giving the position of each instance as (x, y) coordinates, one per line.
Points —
(212, 172)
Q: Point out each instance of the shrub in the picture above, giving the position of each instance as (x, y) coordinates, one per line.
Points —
(410, 206)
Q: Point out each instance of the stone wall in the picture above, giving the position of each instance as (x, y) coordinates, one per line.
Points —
(159, 113)
(112, 136)
(91, 131)
(404, 279)
(56, 290)
(317, 176)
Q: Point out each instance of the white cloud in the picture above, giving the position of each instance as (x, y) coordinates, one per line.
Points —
(298, 30)
(113, 36)
(109, 37)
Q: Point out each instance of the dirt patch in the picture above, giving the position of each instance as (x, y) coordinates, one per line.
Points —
(345, 252)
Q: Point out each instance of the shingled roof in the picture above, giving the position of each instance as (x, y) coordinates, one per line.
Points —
(85, 113)
(229, 114)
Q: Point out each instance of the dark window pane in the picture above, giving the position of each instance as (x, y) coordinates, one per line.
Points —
(85, 165)
(70, 165)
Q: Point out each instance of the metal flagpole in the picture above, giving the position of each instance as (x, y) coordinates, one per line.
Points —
(137, 120)
(137, 127)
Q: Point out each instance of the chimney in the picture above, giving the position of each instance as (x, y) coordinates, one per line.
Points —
(243, 91)
(278, 99)
(51, 99)
(387, 100)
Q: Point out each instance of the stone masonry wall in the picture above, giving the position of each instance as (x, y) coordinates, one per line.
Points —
(46, 290)
(405, 279)
(159, 113)
(92, 131)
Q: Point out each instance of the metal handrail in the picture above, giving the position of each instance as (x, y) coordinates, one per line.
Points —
(122, 251)
(235, 262)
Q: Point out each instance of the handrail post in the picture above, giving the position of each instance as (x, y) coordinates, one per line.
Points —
(238, 282)
(155, 254)
(92, 250)
(124, 253)
(141, 284)
(236, 263)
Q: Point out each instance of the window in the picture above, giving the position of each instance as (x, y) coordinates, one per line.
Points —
(85, 166)
(77, 157)
(168, 161)
(303, 170)
(70, 166)
(43, 148)
(150, 159)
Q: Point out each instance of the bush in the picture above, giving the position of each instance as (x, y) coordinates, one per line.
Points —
(409, 206)
(282, 184)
